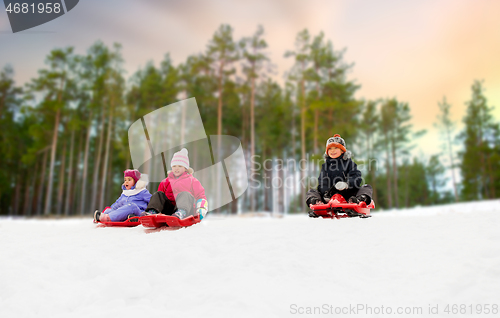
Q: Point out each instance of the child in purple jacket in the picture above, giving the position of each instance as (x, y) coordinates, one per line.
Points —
(134, 199)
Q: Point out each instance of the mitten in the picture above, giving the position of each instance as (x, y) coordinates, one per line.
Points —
(353, 199)
(360, 198)
(341, 185)
(202, 208)
(316, 202)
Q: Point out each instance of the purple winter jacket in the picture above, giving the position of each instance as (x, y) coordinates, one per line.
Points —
(133, 201)
(141, 199)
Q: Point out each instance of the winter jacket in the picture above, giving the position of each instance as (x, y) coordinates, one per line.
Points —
(138, 194)
(336, 170)
(172, 186)
(166, 188)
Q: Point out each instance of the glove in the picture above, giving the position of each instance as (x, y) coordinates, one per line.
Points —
(341, 185)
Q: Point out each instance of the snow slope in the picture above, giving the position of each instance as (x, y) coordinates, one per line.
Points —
(255, 267)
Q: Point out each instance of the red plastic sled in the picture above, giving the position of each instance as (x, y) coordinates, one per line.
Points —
(338, 208)
(127, 223)
(161, 220)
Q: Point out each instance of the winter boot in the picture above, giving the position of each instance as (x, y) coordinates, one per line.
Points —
(97, 214)
(181, 214)
(313, 215)
(103, 217)
(364, 198)
(149, 212)
(133, 218)
(351, 213)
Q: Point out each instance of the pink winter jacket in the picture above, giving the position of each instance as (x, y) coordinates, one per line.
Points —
(185, 182)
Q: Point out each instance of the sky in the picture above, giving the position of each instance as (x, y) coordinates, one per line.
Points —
(415, 51)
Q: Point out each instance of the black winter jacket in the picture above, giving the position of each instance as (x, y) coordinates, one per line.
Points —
(338, 169)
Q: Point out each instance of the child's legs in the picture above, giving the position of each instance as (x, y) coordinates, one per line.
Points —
(160, 203)
(366, 190)
(185, 201)
(122, 212)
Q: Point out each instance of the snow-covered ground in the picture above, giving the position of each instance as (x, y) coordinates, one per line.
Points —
(405, 263)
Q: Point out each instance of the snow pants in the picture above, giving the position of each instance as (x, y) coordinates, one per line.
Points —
(123, 212)
(313, 195)
(162, 204)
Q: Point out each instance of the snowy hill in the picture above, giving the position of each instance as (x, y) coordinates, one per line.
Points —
(398, 261)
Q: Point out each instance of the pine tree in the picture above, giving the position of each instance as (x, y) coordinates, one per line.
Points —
(255, 63)
(416, 185)
(396, 128)
(197, 78)
(273, 116)
(387, 127)
(370, 121)
(298, 74)
(13, 136)
(57, 86)
(222, 52)
(331, 97)
(434, 173)
(478, 176)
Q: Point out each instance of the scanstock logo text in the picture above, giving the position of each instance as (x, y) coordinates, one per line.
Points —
(27, 14)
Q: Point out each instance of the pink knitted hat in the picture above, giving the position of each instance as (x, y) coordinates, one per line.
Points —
(133, 173)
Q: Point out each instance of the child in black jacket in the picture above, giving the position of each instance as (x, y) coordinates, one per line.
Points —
(339, 174)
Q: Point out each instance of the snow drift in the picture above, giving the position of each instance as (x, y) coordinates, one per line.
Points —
(249, 267)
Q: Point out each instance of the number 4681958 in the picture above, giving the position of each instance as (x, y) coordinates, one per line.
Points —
(31, 8)
(471, 309)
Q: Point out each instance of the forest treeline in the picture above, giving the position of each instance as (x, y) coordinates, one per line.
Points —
(64, 143)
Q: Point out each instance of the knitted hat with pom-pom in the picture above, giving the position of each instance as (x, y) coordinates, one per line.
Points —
(335, 141)
(181, 158)
(338, 142)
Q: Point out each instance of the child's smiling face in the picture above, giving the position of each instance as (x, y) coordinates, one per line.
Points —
(128, 182)
(178, 170)
(334, 152)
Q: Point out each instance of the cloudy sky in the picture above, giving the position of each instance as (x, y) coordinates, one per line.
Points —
(416, 51)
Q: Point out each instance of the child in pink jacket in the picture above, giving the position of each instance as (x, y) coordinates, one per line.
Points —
(180, 194)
